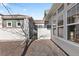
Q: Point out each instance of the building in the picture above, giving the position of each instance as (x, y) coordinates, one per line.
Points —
(42, 31)
(16, 25)
(47, 23)
(64, 20)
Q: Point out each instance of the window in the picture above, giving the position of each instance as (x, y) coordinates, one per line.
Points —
(68, 3)
(78, 8)
(60, 26)
(18, 24)
(54, 22)
(73, 14)
(73, 24)
(73, 33)
(54, 26)
(60, 20)
(60, 32)
(71, 20)
(61, 8)
(46, 22)
(54, 31)
(48, 26)
(9, 24)
(40, 26)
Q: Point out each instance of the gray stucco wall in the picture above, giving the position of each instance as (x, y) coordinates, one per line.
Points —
(13, 22)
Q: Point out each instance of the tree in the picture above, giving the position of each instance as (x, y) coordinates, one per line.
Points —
(27, 42)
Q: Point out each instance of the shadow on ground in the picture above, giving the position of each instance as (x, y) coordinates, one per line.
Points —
(44, 48)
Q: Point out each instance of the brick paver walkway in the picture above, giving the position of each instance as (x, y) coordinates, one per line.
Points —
(12, 48)
(44, 48)
(37, 48)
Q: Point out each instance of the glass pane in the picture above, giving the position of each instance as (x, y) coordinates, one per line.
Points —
(54, 31)
(68, 3)
(54, 22)
(70, 20)
(61, 8)
(73, 14)
(9, 24)
(19, 24)
(60, 20)
(48, 26)
(73, 33)
(60, 32)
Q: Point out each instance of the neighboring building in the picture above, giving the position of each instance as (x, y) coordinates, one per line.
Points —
(42, 32)
(39, 23)
(18, 25)
(64, 18)
(47, 24)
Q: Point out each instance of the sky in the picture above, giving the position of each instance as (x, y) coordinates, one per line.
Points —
(36, 10)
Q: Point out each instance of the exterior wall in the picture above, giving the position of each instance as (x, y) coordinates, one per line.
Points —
(38, 32)
(11, 34)
(0, 22)
(44, 33)
(14, 22)
(26, 25)
(68, 46)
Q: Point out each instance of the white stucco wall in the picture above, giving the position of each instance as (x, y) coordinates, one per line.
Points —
(7, 34)
(14, 34)
(44, 33)
(0, 22)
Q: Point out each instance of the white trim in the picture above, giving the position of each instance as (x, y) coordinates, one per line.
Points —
(9, 22)
(61, 26)
(72, 24)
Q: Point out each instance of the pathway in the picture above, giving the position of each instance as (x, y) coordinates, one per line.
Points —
(44, 48)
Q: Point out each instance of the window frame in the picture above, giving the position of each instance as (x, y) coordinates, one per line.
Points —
(62, 32)
(72, 24)
(9, 22)
(60, 19)
(61, 8)
(54, 31)
(17, 24)
(48, 26)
